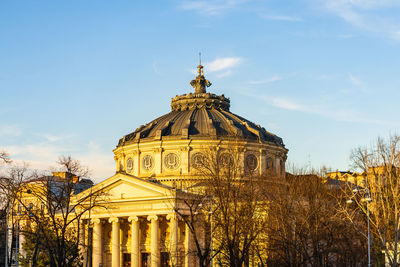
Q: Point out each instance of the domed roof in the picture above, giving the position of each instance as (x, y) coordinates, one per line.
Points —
(200, 115)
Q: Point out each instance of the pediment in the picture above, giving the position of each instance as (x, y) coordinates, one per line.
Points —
(127, 187)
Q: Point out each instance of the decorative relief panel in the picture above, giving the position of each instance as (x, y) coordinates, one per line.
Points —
(129, 164)
(198, 160)
(148, 162)
(171, 161)
(226, 159)
(251, 162)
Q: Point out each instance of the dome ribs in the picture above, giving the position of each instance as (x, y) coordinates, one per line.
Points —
(187, 125)
(246, 125)
(146, 131)
(164, 129)
(253, 130)
(218, 122)
(197, 123)
(210, 124)
(237, 131)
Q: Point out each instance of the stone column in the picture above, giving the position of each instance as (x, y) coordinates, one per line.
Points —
(189, 251)
(21, 239)
(82, 239)
(173, 238)
(97, 254)
(155, 243)
(115, 242)
(135, 235)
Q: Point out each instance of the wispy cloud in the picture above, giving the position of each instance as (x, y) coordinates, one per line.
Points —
(273, 78)
(355, 80)
(320, 108)
(221, 64)
(368, 15)
(43, 154)
(10, 130)
(280, 17)
(211, 7)
(289, 104)
(358, 83)
(52, 138)
(221, 67)
(333, 113)
(224, 74)
(156, 68)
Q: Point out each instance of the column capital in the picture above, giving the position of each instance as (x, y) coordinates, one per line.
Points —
(133, 219)
(241, 149)
(159, 149)
(152, 217)
(96, 220)
(185, 148)
(113, 220)
(172, 216)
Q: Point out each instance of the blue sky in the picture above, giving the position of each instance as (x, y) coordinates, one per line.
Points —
(75, 76)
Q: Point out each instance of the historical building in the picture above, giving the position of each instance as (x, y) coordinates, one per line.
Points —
(154, 163)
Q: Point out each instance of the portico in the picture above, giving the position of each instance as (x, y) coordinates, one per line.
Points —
(138, 227)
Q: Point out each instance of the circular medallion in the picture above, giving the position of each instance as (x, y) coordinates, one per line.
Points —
(129, 165)
(198, 160)
(226, 159)
(251, 162)
(148, 162)
(171, 161)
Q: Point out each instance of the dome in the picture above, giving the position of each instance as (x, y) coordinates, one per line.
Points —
(199, 119)
(197, 116)
(167, 148)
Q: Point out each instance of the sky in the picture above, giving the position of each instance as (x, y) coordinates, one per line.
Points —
(77, 75)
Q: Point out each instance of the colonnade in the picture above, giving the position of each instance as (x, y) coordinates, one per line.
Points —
(135, 252)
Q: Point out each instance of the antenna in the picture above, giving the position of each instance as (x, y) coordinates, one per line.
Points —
(200, 58)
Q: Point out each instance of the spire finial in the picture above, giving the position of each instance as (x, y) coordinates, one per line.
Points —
(200, 83)
(200, 70)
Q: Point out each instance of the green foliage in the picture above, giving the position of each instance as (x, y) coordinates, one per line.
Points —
(32, 243)
(35, 240)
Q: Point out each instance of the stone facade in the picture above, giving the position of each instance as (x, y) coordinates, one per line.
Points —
(136, 225)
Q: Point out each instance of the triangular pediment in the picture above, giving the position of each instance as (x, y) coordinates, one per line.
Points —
(126, 187)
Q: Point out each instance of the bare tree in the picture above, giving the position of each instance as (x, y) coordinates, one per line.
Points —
(195, 208)
(306, 227)
(5, 157)
(379, 197)
(230, 200)
(51, 213)
(10, 182)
